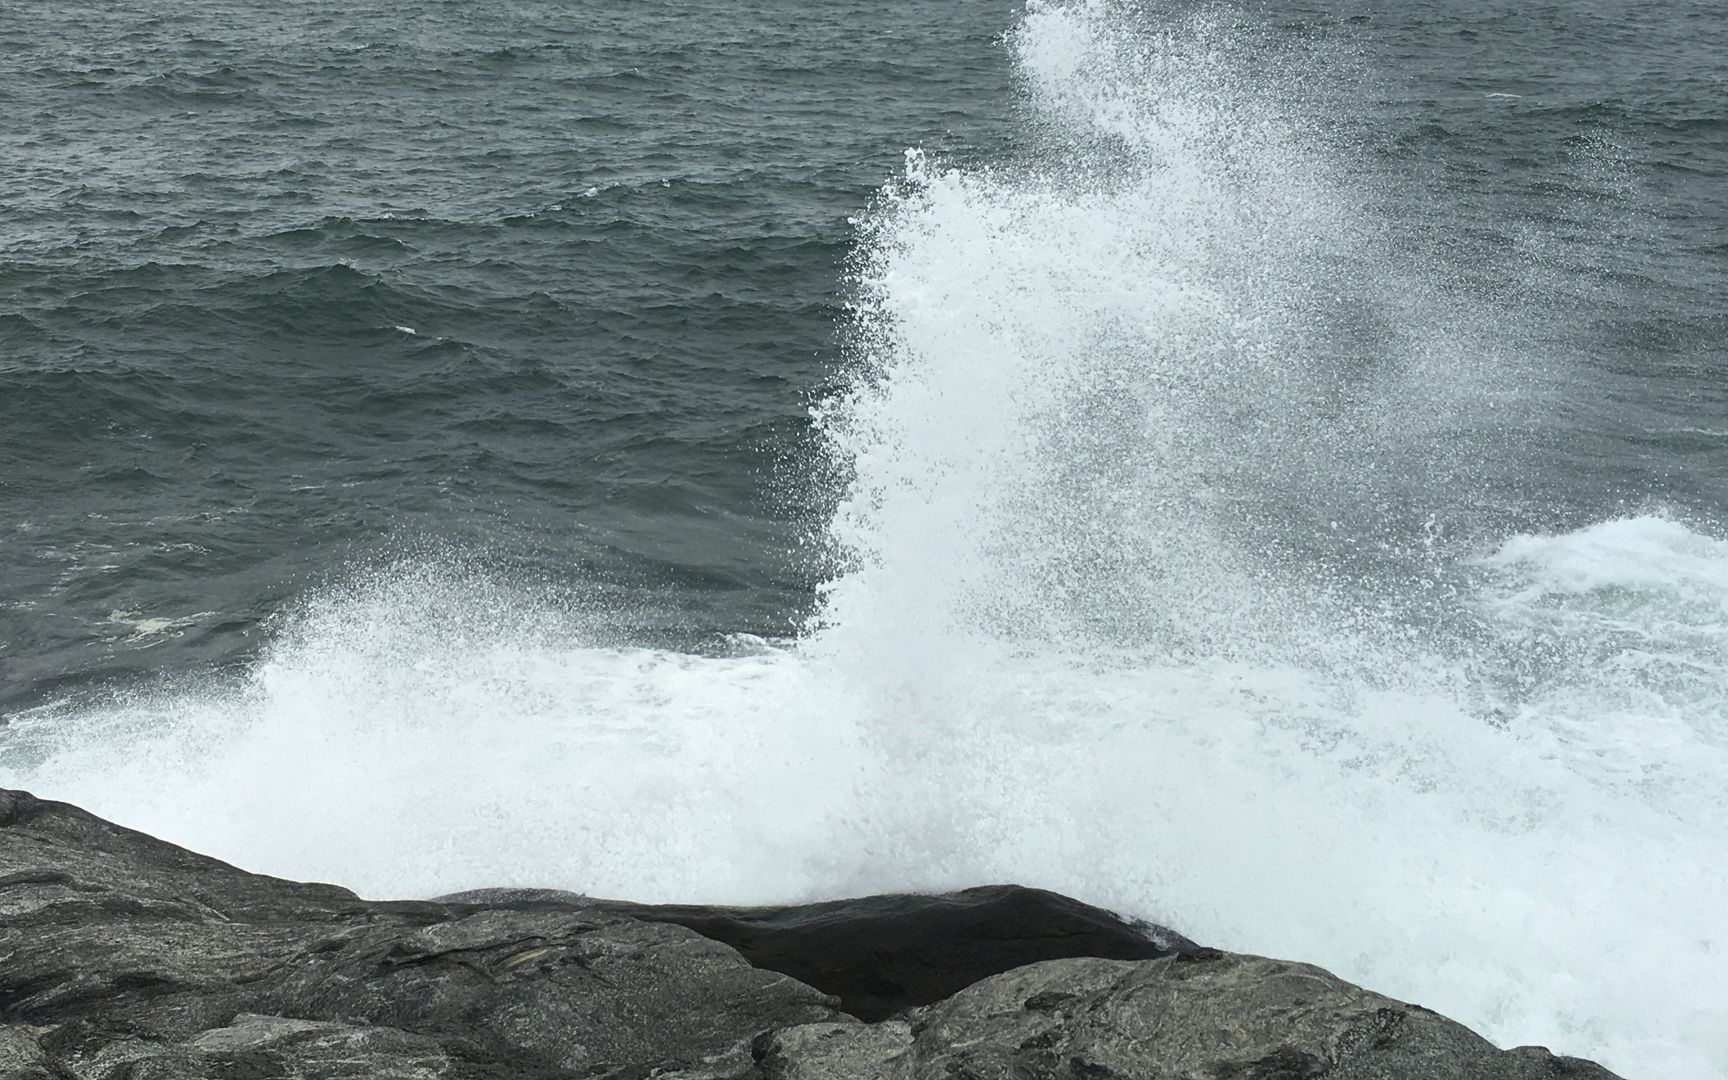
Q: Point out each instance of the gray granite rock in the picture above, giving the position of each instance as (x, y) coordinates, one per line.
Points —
(1207, 1016)
(22, 1056)
(835, 1051)
(275, 1046)
(126, 958)
(135, 956)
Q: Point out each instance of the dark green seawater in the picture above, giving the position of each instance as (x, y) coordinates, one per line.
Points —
(1326, 402)
(283, 290)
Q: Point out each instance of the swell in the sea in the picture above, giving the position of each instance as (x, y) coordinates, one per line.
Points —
(1161, 582)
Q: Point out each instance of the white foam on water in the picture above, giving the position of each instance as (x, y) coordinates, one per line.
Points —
(429, 728)
(150, 630)
(1143, 594)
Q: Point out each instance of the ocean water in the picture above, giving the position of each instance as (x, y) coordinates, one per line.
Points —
(1260, 467)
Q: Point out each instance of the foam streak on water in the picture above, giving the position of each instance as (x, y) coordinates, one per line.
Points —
(1142, 597)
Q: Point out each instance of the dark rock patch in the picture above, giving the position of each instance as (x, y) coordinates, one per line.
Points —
(881, 955)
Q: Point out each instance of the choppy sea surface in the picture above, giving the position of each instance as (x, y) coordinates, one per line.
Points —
(1261, 467)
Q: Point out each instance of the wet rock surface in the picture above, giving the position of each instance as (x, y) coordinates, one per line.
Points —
(881, 955)
(1212, 1014)
(123, 957)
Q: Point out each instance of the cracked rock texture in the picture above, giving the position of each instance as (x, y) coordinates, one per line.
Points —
(123, 957)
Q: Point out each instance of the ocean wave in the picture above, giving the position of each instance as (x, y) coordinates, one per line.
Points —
(1171, 568)
(425, 729)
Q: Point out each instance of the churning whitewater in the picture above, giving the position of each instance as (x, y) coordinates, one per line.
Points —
(1153, 584)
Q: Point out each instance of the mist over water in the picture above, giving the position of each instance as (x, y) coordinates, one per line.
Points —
(1178, 565)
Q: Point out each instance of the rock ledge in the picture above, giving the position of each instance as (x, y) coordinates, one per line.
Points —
(123, 957)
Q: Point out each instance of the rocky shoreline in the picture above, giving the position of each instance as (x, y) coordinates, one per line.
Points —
(123, 957)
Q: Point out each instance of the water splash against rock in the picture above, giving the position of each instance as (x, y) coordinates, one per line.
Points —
(1167, 582)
